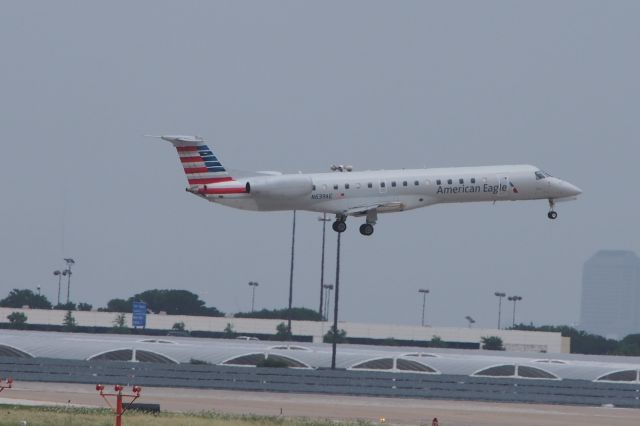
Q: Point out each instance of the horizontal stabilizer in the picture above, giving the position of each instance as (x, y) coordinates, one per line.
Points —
(180, 140)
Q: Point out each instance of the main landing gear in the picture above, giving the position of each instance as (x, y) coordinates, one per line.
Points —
(339, 225)
(366, 229)
(552, 213)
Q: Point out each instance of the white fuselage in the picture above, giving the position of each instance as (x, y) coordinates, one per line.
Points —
(344, 193)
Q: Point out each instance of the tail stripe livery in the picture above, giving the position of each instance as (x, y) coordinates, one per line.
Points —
(201, 165)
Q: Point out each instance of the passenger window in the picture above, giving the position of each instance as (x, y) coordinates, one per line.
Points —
(358, 185)
(324, 187)
(335, 186)
(346, 186)
(473, 180)
(382, 184)
(370, 185)
(416, 183)
(439, 182)
(313, 188)
(461, 181)
(393, 184)
(449, 181)
(404, 183)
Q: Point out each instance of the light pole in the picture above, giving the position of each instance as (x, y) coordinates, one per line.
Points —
(59, 275)
(499, 295)
(424, 292)
(293, 246)
(253, 286)
(470, 320)
(328, 288)
(324, 221)
(514, 299)
(335, 306)
(67, 272)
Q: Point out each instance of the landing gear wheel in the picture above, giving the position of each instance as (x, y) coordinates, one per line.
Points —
(366, 229)
(339, 226)
(552, 214)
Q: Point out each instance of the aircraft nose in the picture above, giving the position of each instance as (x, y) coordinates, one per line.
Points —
(571, 190)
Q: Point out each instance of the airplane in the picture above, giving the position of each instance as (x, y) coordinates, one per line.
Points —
(345, 193)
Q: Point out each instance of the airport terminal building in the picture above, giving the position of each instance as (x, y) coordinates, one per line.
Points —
(305, 367)
(250, 353)
(535, 367)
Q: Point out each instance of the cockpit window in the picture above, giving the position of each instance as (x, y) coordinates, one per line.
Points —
(541, 174)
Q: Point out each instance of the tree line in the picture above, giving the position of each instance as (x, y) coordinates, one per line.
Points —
(18, 298)
(184, 302)
(583, 342)
(171, 302)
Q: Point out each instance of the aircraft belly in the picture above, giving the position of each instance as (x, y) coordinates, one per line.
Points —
(244, 203)
(280, 204)
(266, 204)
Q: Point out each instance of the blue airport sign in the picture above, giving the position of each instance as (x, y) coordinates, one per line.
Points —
(139, 317)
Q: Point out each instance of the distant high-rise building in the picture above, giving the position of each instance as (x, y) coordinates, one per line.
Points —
(611, 294)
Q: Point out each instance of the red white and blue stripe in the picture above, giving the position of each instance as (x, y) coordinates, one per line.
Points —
(205, 174)
(201, 165)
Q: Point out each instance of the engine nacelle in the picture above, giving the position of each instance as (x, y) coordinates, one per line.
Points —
(284, 186)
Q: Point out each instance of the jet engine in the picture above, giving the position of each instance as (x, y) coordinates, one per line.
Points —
(279, 187)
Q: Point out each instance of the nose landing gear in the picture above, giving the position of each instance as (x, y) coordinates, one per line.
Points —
(552, 213)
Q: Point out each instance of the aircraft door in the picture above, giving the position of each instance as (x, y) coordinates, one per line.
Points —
(503, 186)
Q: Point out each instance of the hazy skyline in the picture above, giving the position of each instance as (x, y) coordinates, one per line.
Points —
(610, 303)
(299, 86)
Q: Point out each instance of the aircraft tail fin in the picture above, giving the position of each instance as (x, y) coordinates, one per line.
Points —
(200, 164)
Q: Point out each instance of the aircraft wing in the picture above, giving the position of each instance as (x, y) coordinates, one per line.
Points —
(393, 206)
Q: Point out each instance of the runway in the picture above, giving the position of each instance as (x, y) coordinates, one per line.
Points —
(395, 411)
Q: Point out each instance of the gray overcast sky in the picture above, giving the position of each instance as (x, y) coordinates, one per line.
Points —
(299, 86)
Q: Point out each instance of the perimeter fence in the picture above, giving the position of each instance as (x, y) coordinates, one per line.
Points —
(324, 381)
